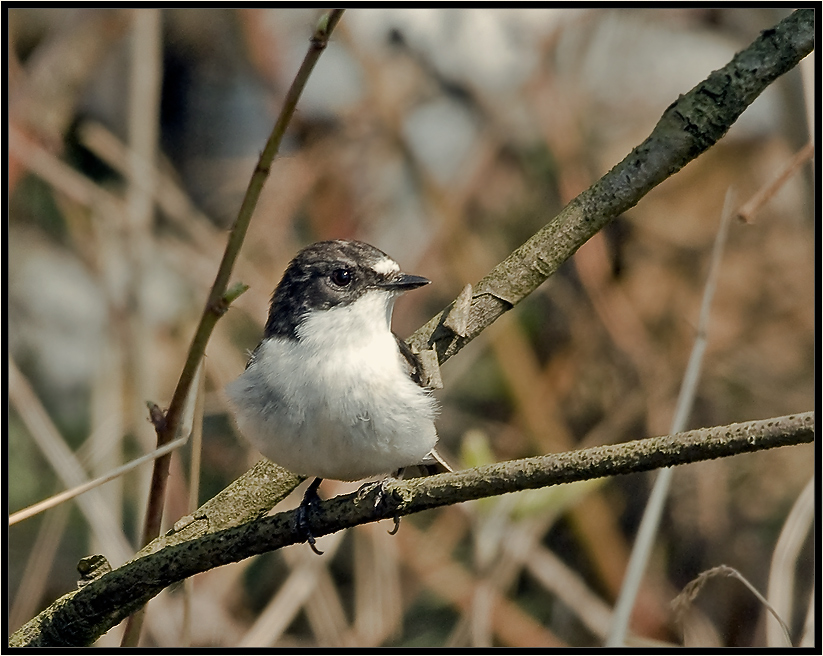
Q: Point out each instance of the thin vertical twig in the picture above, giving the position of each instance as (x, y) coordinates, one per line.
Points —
(654, 509)
(220, 297)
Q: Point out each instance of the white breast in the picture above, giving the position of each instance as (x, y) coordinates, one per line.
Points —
(338, 402)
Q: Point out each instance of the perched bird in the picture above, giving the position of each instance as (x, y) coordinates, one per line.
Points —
(331, 391)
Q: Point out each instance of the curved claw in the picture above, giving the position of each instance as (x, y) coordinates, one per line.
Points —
(311, 542)
(396, 525)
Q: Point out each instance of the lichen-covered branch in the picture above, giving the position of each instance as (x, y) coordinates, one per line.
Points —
(82, 616)
(690, 125)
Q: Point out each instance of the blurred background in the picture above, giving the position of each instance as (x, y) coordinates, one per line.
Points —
(445, 137)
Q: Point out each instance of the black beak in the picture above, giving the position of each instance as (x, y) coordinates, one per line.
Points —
(403, 282)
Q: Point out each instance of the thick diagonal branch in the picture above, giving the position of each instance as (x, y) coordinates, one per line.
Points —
(690, 125)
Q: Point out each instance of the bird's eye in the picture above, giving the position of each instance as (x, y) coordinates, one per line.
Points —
(341, 277)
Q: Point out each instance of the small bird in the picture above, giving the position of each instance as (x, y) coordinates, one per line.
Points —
(331, 391)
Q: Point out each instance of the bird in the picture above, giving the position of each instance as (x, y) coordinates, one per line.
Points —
(330, 391)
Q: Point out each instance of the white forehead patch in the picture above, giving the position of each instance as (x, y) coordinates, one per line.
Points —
(386, 266)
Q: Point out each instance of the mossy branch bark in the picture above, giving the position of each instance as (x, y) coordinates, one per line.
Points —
(688, 127)
(80, 617)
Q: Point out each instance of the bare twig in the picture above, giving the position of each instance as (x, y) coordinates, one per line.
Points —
(752, 206)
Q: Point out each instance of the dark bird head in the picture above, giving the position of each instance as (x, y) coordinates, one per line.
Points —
(332, 274)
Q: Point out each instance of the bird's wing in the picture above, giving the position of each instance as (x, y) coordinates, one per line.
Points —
(435, 463)
(413, 367)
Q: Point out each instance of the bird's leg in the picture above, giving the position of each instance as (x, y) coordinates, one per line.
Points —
(310, 499)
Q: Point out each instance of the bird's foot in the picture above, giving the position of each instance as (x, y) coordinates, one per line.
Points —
(304, 510)
(383, 491)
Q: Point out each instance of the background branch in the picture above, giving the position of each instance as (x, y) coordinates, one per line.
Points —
(81, 617)
(688, 127)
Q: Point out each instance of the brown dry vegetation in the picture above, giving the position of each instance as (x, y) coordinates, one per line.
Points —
(409, 138)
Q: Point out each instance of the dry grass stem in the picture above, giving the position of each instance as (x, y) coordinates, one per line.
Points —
(57, 499)
(783, 567)
(686, 598)
(65, 465)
